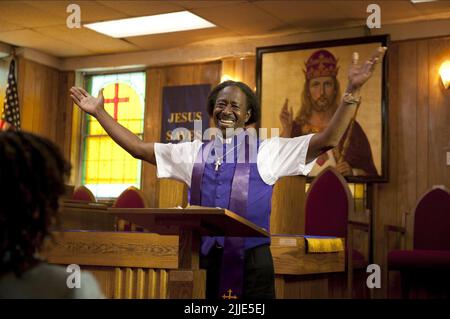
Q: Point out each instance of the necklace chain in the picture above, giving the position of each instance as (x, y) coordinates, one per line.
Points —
(220, 157)
(217, 161)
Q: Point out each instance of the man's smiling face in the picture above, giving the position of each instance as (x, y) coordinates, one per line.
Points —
(230, 110)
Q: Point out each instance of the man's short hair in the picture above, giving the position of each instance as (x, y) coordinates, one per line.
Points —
(252, 100)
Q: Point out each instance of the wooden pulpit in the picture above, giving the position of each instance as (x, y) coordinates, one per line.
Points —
(162, 262)
(189, 224)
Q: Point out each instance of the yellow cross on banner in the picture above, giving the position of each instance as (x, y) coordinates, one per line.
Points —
(229, 296)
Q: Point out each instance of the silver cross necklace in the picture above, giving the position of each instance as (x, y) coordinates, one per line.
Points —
(218, 160)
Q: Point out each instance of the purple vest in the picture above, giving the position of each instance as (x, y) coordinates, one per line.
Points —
(216, 191)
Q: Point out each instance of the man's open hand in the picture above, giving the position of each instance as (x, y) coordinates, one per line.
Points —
(358, 73)
(87, 102)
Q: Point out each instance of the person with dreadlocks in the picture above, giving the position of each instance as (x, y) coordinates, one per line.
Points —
(32, 175)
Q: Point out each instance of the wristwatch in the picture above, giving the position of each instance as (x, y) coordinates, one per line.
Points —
(348, 98)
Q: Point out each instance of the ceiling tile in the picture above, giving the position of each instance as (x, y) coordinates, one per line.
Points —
(206, 4)
(142, 8)
(435, 7)
(96, 42)
(35, 40)
(7, 26)
(23, 14)
(91, 11)
(391, 11)
(305, 15)
(174, 39)
(243, 18)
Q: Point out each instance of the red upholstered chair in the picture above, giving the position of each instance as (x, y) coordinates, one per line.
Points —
(430, 253)
(83, 193)
(328, 206)
(130, 198)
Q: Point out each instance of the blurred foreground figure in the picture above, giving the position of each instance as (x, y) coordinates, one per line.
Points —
(32, 176)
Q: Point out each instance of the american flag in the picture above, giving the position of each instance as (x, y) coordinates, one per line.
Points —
(11, 113)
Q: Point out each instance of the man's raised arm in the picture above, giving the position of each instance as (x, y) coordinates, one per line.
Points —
(122, 136)
(332, 134)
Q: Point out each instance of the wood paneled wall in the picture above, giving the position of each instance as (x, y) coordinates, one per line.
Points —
(419, 134)
(157, 78)
(240, 69)
(44, 103)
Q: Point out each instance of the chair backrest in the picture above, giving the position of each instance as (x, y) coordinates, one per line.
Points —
(84, 194)
(432, 221)
(328, 205)
(131, 198)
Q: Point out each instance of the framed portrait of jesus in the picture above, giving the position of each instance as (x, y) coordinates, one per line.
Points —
(300, 87)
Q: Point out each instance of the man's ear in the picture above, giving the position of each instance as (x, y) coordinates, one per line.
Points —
(248, 115)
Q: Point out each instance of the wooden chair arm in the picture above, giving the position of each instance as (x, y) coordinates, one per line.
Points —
(351, 226)
(388, 229)
(359, 225)
(395, 228)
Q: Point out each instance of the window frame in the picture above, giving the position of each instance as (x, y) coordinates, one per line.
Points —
(87, 85)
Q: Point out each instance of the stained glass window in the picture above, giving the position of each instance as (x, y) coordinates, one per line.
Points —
(107, 168)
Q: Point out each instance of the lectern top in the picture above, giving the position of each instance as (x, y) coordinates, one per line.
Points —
(207, 221)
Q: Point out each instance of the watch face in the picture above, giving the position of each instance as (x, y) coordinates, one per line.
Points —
(350, 99)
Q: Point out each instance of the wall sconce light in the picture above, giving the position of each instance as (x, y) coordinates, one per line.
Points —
(444, 72)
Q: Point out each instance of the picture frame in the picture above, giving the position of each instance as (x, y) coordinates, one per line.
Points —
(312, 77)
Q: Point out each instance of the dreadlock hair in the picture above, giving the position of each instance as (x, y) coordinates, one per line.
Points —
(252, 100)
(32, 175)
